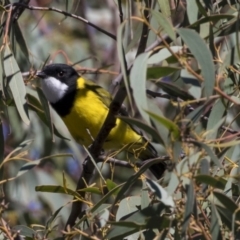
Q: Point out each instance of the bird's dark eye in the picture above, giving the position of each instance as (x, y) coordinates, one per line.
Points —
(60, 73)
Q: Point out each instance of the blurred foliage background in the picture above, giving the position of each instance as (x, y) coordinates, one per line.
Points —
(186, 53)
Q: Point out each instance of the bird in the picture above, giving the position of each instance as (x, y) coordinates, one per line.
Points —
(83, 106)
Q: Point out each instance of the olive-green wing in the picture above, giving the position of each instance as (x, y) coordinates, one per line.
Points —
(103, 94)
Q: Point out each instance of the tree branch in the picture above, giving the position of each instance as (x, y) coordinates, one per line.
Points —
(53, 9)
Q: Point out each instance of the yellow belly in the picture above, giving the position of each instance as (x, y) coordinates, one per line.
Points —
(87, 117)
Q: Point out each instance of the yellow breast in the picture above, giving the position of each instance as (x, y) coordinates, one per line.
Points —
(87, 117)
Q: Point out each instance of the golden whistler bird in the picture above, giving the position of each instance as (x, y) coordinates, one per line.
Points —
(83, 106)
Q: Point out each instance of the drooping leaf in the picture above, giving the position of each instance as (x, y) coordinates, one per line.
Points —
(210, 153)
(138, 84)
(165, 24)
(1, 142)
(163, 55)
(165, 8)
(171, 126)
(25, 231)
(30, 165)
(216, 114)
(211, 181)
(120, 50)
(189, 206)
(46, 108)
(53, 217)
(134, 178)
(192, 11)
(110, 184)
(149, 130)
(16, 84)
(20, 40)
(160, 71)
(64, 190)
(35, 106)
(203, 55)
(215, 227)
(174, 90)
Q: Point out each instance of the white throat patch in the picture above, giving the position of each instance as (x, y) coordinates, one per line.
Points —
(53, 89)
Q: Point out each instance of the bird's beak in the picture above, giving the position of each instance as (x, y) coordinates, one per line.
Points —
(41, 74)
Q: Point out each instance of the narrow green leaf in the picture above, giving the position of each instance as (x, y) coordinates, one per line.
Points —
(138, 84)
(120, 50)
(64, 190)
(216, 114)
(215, 182)
(201, 8)
(53, 217)
(192, 11)
(225, 215)
(210, 153)
(16, 84)
(110, 184)
(134, 178)
(145, 199)
(119, 232)
(188, 207)
(195, 115)
(160, 71)
(1, 143)
(177, 150)
(171, 126)
(28, 166)
(128, 205)
(138, 220)
(46, 109)
(20, 40)
(174, 91)
(136, 37)
(215, 227)
(165, 23)
(163, 55)
(57, 189)
(165, 8)
(149, 130)
(35, 106)
(203, 55)
(102, 218)
(227, 202)
(106, 197)
(204, 170)
(24, 231)
(204, 166)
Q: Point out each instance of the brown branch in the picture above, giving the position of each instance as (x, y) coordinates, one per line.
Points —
(145, 29)
(95, 149)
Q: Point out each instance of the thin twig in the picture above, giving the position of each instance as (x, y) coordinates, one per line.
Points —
(53, 9)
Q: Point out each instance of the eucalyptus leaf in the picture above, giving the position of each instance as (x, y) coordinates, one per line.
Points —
(164, 23)
(200, 51)
(189, 206)
(138, 84)
(16, 84)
